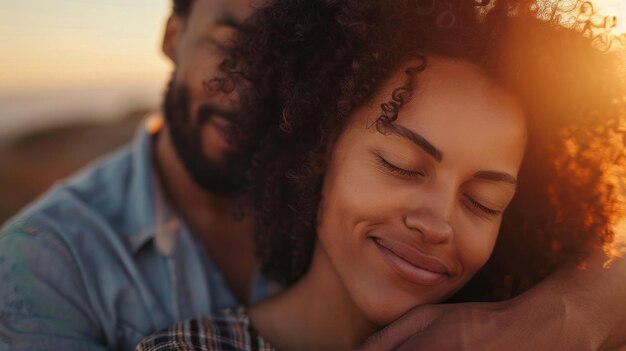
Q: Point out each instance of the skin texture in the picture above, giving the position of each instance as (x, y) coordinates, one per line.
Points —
(381, 191)
(192, 43)
(433, 211)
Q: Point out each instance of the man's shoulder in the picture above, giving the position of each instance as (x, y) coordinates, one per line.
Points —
(92, 195)
(73, 265)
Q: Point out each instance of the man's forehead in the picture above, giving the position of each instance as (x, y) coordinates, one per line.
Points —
(210, 11)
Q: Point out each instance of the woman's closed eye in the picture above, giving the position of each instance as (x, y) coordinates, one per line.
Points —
(398, 170)
(475, 205)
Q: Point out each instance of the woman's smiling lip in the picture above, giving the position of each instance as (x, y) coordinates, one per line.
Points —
(411, 264)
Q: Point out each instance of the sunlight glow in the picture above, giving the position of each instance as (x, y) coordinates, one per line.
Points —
(57, 43)
(617, 248)
(614, 8)
(62, 42)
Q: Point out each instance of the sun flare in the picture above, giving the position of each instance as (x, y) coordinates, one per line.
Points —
(614, 8)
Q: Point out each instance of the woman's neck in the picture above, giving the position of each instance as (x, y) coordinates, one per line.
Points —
(316, 313)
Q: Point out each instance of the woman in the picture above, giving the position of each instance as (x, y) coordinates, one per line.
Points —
(390, 139)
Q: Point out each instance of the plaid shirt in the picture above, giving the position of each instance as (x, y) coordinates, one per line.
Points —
(227, 330)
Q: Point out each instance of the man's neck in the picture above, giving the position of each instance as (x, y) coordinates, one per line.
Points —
(317, 313)
(213, 220)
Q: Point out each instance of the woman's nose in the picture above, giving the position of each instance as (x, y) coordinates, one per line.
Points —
(432, 224)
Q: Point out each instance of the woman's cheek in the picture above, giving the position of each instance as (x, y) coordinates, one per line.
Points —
(476, 246)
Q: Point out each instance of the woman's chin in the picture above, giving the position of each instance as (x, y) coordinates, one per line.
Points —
(382, 312)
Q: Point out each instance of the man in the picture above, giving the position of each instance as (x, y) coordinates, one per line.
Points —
(137, 242)
(153, 234)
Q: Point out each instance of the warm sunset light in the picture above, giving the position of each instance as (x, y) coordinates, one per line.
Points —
(63, 60)
(313, 174)
(60, 43)
(614, 8)
(57, 54)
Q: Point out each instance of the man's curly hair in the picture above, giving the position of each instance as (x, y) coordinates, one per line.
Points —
(303, 66)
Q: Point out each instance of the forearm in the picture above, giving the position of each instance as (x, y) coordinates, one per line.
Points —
(572, 309)
(593, 297)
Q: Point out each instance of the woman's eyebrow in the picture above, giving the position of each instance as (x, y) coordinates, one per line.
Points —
(417, 139)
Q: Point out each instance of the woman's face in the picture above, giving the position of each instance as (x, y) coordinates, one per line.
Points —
(407, 217)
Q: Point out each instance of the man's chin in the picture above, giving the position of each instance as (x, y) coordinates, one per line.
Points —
(224, 178)
(216, 186)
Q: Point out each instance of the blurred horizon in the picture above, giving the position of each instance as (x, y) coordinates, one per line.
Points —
(57, 43)
(57, 107)
(67, 61)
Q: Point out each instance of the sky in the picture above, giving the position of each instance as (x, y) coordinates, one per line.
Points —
(66, 60)
(61, 59)
(61, 43)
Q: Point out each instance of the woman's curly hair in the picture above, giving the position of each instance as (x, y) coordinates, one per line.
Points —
(303, 66)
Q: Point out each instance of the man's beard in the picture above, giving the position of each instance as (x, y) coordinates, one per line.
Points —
(224, 177)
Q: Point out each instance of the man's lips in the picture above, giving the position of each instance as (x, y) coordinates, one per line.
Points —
(411, 264)
(223, 120)
(228, 130)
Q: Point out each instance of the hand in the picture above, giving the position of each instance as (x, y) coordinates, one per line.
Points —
(537, 320)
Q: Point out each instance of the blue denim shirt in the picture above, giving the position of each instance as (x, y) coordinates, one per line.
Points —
(101, 261)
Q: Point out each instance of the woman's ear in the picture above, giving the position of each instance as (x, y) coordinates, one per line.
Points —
(172, 35)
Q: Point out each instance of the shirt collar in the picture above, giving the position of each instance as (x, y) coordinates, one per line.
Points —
(156, 221)
(167, 223)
